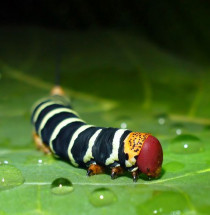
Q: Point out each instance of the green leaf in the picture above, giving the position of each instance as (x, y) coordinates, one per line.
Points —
(114, 79)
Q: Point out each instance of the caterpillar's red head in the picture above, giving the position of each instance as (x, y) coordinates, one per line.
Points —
(146, 151)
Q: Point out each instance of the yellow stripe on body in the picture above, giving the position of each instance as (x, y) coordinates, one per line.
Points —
(59, 127)
(88, 155)
(51, 114)
(42, 107)
(74, 137)
(115, 147)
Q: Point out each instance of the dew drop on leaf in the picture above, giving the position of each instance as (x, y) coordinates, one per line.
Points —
(40, 161)
(123, 121)
(123, 125)
(10, 177)
(177, 128)
(178, 131)
(164, 203)
(102, 197)
(4, 161)
(61, 186)
(186, 144)
(162, 118)
(173, 166)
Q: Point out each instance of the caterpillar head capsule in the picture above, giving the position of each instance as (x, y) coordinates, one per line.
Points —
(150, 158)
(145, 151)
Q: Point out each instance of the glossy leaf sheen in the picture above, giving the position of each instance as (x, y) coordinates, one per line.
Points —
(114, 79)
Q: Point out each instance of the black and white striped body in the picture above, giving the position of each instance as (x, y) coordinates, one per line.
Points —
(70, 138)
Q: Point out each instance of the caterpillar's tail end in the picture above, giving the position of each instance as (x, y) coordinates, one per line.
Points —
(57, 90)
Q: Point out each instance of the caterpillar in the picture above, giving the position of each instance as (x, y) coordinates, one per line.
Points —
(58, 129)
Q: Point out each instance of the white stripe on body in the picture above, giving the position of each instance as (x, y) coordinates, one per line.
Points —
(51, 114)
(74, 137)
(59, 127)
(115, 147)
(88, 155)
(42, 107)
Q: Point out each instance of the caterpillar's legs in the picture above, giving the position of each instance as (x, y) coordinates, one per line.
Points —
(116, 171)
(94, 169)
(40, 145)
(135, 175)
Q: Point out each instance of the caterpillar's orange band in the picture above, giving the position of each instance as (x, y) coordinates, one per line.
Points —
(133, 144)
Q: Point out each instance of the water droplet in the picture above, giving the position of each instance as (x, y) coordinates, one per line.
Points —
(6, 162)
(10, 177)
(123, 121)
(123, 125)
(178, 131)
(186, 144)
(177, 128)
(162, 203)
(0, 76)
(61, 186)
(173, 166)
(2, 161)
(40, 161)
(161, 121)
(102, 197)
(162, 118)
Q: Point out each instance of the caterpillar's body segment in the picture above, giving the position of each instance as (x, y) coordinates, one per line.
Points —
(61, 130)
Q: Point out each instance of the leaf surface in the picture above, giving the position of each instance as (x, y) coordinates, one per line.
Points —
(115, 79)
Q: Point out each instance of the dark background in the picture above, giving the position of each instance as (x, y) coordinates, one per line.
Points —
(175, 25)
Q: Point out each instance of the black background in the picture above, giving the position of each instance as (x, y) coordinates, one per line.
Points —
(172, 24)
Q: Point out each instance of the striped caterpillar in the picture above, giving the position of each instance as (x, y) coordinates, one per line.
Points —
(59, 130)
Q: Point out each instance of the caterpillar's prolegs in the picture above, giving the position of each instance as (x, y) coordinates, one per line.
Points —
(94, 169)
(40, 145)
(135, 175)
(116, 171)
